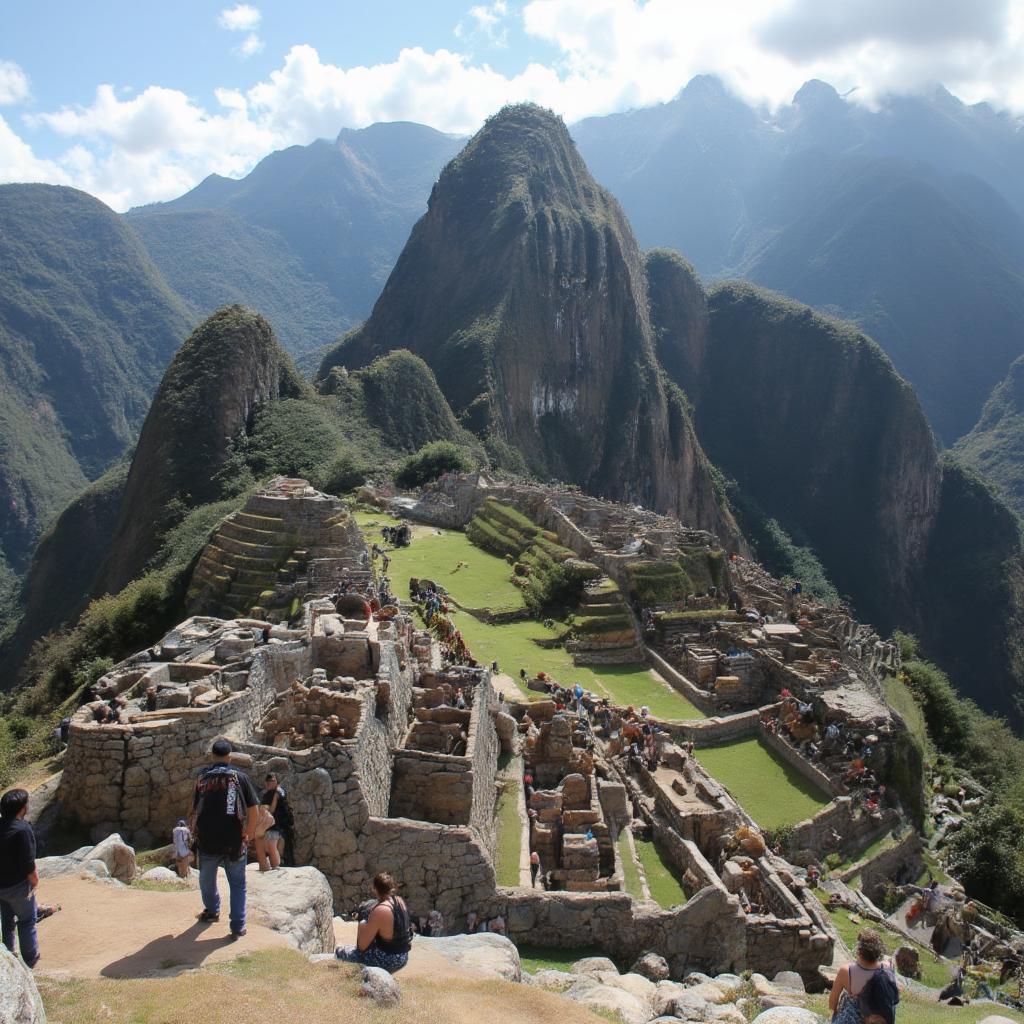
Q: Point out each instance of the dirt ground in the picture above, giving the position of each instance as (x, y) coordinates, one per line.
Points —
(103, 931)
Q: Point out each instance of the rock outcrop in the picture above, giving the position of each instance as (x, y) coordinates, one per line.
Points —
(229, 366)
(523, 289)
(296, 902)
(19, 998)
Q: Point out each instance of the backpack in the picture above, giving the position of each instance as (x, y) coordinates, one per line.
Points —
(879, 996)
(219, 796)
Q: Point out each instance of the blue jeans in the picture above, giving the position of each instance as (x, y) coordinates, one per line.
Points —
(18, 907)
(235, 870)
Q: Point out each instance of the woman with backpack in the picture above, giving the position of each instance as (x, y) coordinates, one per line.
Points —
(865, 992)
(384, 936)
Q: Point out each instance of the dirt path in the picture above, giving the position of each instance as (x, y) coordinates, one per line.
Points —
(128, 933)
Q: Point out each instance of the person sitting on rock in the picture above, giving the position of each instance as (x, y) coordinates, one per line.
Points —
(384, 937)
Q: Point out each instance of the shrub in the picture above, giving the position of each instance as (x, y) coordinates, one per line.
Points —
(347, 472)
(431, 461)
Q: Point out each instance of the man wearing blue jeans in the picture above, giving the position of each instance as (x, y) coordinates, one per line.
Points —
(18, 877)
(224, 805)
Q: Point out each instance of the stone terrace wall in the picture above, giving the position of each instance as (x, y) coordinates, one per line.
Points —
(856, 831)
(809, 771)
(903, 858)
(707, 934)
(431, 786)
(137, 779)
(484, 747)
(442, 867)
(696, 696)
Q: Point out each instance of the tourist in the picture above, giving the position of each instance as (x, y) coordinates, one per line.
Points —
(269, 843)
(865, 991)
(384, 936)
(224, 805)
(18, 876)
(534, 868)
(181, 838)
(435, 922)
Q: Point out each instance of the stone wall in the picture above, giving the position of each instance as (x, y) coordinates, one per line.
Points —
(896, 863)
(856, 830)
(430, 786)
(809, 771)
(137, 779)
(699, 698)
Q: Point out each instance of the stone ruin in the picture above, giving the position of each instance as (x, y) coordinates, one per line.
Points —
(357, 718)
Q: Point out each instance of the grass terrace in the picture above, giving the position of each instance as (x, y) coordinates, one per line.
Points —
(485, 582)
(510, 835)
(662, 874)
(771, 791)
(630, 873)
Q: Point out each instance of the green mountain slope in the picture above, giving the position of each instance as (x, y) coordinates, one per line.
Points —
(308, 237)
(995, 446)
(87, 325)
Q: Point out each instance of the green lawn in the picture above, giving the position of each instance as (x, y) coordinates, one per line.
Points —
(630, 873)
(662, 875)
(771, 791)
(485, 583)
(540, 958)
(510, 836)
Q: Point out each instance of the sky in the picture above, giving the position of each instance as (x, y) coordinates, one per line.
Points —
(137, 102)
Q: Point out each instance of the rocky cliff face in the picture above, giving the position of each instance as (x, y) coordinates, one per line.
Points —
(229, 367)
(524, 291)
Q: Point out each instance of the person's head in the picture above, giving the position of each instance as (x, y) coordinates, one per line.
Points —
(221, 749)
(270, 780)
(13, 804)
(182, 823)
(870, 947)
(384, 885)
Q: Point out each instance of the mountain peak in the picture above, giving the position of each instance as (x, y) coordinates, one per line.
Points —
(815, 94)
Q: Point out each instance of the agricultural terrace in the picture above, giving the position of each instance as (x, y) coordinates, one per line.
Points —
(771, 791)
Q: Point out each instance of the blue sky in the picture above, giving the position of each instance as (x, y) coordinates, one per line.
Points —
(138, 101)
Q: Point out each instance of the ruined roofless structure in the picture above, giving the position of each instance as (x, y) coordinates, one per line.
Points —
(355, 716)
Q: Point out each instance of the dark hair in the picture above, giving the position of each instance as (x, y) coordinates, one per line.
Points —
(221, 748)
(269, 776)
(13, 801)
(384, 884)
(870, 945)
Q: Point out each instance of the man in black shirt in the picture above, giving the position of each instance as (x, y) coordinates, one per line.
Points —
(18, 877)
(224, 808)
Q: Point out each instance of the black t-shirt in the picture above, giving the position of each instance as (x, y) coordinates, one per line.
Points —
(17, 851)
(222, 796)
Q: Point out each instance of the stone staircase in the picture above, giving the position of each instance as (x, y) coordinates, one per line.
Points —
(605, 627)
(259, 558)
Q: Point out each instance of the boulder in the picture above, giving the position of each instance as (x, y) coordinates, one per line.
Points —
(552, 981)
(19, 997)
(787, 1015)
(762, 986)
(995, 1018)
(590, 991)
(507, 728)
(789, 979)
(380, 986)
(784, 998)
(118, 856)
(666, 995)
(593, 964)
(728, 981)
(651, 966)
(297, 902)
(163, 875)
(727, 1014)
(492, 956)
(710, 992)
(690, 1006)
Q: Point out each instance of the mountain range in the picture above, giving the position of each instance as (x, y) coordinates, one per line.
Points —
(538, 332)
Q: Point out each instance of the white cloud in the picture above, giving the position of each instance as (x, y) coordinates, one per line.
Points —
(243, 18)
(611, 55)
(19, 163)
(13, 83)
(250, 45)
(485, 21)
(240, 18)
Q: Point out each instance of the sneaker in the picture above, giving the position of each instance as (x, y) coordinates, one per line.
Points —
(209, 916)
(237, 934)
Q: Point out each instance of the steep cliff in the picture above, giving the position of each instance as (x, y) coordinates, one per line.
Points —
(523, 290)
(87, 325)
(995, 446)
(811, 420)
(229, 367)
